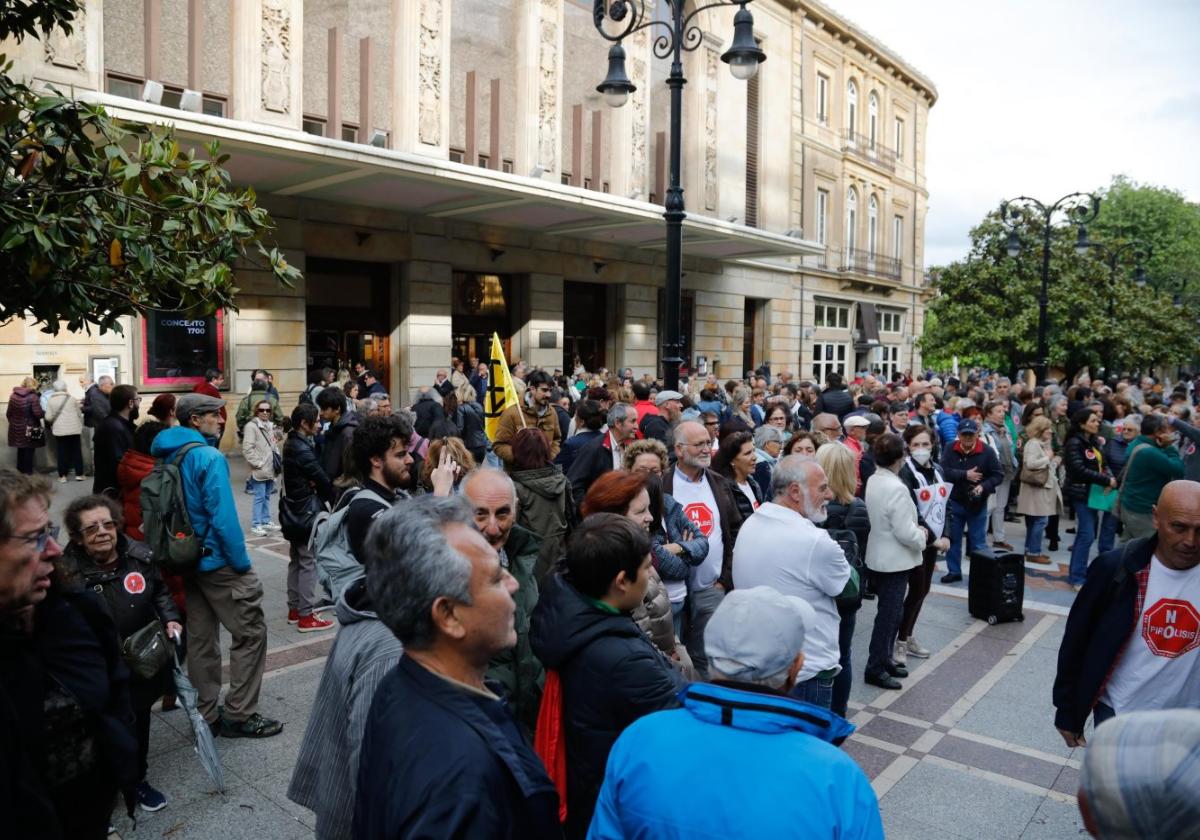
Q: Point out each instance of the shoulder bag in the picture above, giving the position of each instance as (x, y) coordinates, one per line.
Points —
(146, 651)
(1039, 477)
(34, 430)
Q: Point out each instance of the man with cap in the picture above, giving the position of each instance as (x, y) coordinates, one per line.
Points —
(772, 760)
(975, 471)
(661, 425)
(856, 435)
(223, 591)
(1139, 778)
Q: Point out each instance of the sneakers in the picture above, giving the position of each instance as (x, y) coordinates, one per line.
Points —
(62, 479)
(293, 616)
(258, 531)
(916, 649)
(79, 478)
(255, 726)
(900, 653)
(272, 526)
(311, 623)
(150, 799)
(951, 578)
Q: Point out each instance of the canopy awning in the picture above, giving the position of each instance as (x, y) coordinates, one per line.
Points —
(293, 163)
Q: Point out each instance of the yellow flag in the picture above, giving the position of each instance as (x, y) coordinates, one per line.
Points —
(501, 393)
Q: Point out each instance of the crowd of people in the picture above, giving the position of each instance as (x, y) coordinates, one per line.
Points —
(527, 622)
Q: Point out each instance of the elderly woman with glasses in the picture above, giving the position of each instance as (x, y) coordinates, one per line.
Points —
(101, 558)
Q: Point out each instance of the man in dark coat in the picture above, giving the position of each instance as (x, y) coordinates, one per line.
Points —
(605, 453)
(589, 420)
(332, 408)
(611, 673)
(114, 435)
(427, 409)
(975, 471)
(442, 754)
(835, 399)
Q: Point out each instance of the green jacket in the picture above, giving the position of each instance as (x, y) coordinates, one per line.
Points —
(518, 670)
(1153, 468)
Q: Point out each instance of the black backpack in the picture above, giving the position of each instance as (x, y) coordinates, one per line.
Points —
(848, 540)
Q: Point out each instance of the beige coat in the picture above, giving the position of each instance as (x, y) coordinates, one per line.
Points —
(1034, 500)
(66, 413)
(257, 447)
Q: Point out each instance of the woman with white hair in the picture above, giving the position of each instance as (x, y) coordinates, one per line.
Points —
(768, 444)
(65, 419)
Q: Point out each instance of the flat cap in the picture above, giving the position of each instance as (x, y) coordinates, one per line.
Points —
(190, 404)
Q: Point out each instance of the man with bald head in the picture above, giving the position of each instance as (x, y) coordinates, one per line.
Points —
(828, 425)
(708, 501)
(493, 500)
(781, 546)
(1132, 641)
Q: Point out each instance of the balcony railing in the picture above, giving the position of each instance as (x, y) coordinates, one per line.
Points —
(865, 262)
(861, 146)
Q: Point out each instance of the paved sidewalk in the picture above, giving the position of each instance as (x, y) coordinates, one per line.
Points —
(967, 749)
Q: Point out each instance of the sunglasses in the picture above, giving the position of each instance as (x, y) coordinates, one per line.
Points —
(40, 539)
(264, 411)
(97, 527)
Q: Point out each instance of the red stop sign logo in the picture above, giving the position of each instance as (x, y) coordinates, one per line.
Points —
(701, 517)
(1171, 628)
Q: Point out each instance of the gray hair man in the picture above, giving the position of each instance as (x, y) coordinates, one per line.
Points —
(493, 500)
(604, 453)
(781, 546)
(435, 720)
(780, 755)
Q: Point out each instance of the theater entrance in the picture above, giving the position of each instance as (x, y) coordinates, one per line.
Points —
(347, 308)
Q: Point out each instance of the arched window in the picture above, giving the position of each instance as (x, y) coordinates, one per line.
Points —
(851, 219)
(873, 118)
(851, 108)
(872, 225)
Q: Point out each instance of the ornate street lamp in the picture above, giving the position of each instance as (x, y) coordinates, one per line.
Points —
(1078, 209)
(623, 18)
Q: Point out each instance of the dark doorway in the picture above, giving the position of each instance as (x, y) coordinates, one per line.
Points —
(347, 312)
(687, 323)
(585, 325)
(480, 305)
(753, 333)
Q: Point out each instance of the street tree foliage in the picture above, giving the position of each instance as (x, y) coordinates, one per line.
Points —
(101, 219)
(986, 306)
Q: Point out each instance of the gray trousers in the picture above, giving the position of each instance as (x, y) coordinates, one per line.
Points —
(701, 606)
(301, 578)
(217, 599)
(1136, 525)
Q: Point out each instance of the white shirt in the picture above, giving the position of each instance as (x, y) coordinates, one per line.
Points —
(618, 451)
(701, 508)
(779, 548)
(1160, 667)
(749, 494)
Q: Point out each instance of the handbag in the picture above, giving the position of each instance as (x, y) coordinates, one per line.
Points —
(147, 651)
(276, 462)
(296, 519)
(1039, 477)
(34, 430)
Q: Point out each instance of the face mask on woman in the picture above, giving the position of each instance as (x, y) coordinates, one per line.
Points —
(921, 456)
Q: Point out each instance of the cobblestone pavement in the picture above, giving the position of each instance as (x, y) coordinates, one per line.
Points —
(967, 749)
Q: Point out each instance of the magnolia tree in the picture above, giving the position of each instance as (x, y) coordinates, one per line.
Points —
(101, 219)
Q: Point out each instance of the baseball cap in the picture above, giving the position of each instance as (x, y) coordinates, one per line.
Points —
(756, 633)
(190, 404)
(968, 427)
(666, 396)
(855, 420)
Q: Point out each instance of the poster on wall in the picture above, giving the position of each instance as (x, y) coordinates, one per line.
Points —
(178, 347)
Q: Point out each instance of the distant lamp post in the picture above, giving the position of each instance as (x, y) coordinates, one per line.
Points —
(1078, 209)
(623, 18)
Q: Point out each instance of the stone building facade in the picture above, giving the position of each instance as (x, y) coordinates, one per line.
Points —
(443, 169)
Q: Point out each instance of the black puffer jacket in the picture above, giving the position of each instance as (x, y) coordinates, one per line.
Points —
(337, 441)
(303, 475)
(835, 400)
(471, 429)
(1085, 467)
(611, 675)
(132, 588)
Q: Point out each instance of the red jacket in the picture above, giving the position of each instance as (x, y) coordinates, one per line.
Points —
(643, 408)
(133, 467)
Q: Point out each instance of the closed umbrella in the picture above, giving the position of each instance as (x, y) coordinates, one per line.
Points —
(205, 746)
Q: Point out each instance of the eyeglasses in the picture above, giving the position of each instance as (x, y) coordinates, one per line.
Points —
(97, 527)
(264, 411)
(41, 538)
(698, 443)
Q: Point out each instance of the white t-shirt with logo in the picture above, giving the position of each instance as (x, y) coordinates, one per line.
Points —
(700, 506)
(1160, 668)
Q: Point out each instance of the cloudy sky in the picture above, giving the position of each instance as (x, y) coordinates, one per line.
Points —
(1045, 97)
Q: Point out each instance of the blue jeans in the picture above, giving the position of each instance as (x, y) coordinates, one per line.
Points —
(817, 691)
(976, 527)
(261, 512)
(845, 678)
(1086, 522)
(677, 617)
(1035, 528)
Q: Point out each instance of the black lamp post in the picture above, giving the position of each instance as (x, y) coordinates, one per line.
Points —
(624, 17)
(1078, 209)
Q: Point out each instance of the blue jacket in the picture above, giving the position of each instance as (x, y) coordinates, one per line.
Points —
(947, 426)
(440, 761)
(209, 496)
(735, 761)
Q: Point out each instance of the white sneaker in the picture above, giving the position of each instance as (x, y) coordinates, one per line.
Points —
(258, 531)
(900, 654)
(273, 526)
(915, 649)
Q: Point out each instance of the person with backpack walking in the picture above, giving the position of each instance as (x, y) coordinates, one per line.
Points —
(261, 450)
(222, 589)
(65, 419)
(306, 492)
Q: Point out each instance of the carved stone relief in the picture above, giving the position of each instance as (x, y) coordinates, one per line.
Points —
(69, 51)
(641, 78)
(548, 85)
(430, 74)
(711, 64)
(276, 56)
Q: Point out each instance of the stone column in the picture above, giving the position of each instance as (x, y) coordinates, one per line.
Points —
(629, 126)
(539, 52)
(268, 62)
(539, 305)
(421, 76)
(65, 61)
(635, 328)
(425, 325)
